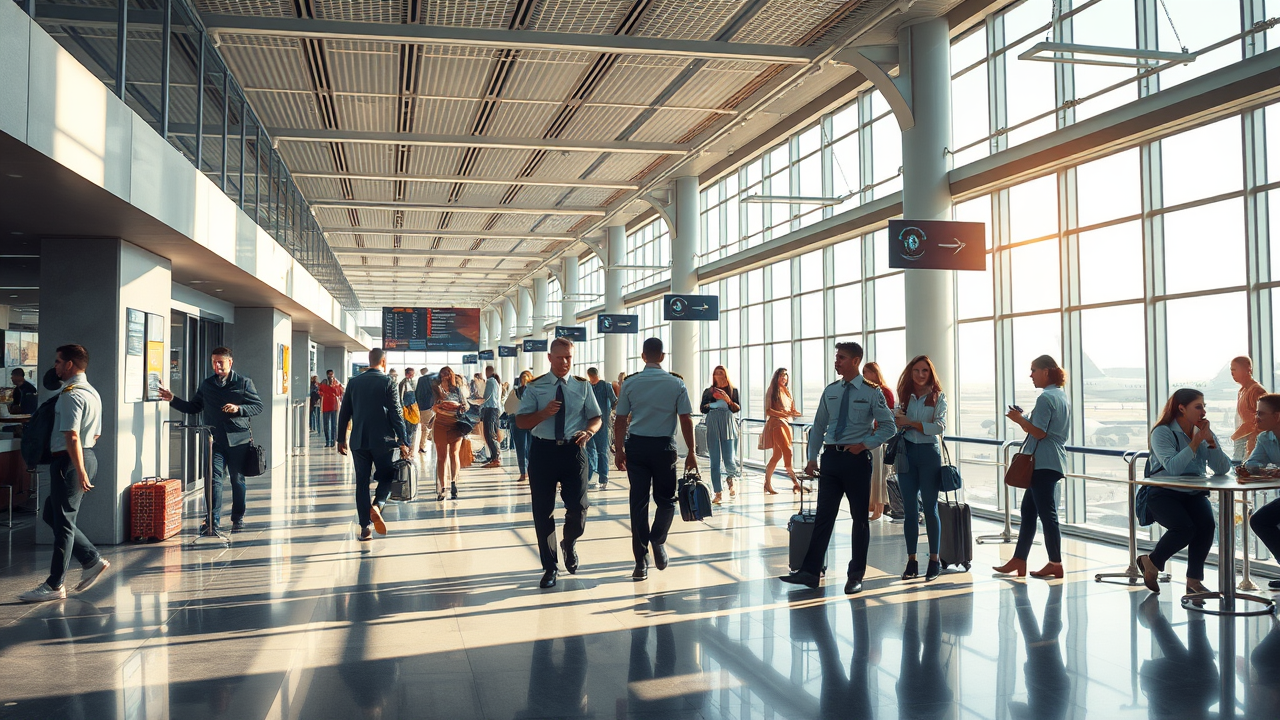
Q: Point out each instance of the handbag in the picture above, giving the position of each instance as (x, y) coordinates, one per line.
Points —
(255, 459)
(1020, 469)
(948, 475)
(893, 448)
(411, 414)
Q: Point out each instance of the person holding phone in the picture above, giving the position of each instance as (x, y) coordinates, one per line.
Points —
(1182, 443)
(719, 405)
(922, 414)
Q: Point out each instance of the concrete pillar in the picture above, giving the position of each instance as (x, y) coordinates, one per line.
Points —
(683, 353)
(260, 333)
(335, 359)
(925, 57)
(539, 359)
(89, 285)
(505, 365)
(524, 321)
(300, 367)
(569, 303)
(615, 346)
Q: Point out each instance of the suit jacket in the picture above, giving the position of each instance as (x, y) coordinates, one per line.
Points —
(372, 405)
(228, 430)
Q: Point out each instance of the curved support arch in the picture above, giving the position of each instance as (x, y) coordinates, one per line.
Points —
(664, 210)
(870, 61)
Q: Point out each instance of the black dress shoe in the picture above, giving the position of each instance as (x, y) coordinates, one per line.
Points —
(933, 571)
(853, 586)
(660, 558)
(912, 571)
(801, 577)
(642, 570)
(570, 557)
(1274, 584)
(548, 579)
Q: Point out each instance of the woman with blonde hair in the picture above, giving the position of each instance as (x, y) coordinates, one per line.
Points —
(450, 403)
(879, 472)
(780, 410)
(519, 438)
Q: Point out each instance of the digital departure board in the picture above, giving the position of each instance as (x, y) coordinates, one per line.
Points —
(435, 329)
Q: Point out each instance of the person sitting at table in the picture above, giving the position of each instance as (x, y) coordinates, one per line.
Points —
(1182, 444)
(1266, 519)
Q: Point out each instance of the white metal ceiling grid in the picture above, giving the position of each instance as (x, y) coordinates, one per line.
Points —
(368, 158)
(444, 117)
(597, 17)
(497, 162)
(623, 165)
(445, 262)
(332, 218)
(468, 221)
(368, 190)
(257, 8)
(384, 11)
(483, 195)
(434, 160)
(305, 157)
(468, 13)
(685, 20)
(514, 223)
(266, 62)
(419, 220)
(668, 126)
(482, 263)
(540, 196)
(588, 197)
(786, 22)
(379, 260)
(375, 218)
(450, 243)
(368, 113)
(545, 75)
(451, 71)
(286, 109)
(422, 192)
(599, 123)
(363, 67)
(373, 241)
(560, 166)
(711, 87)
(534, 246)
(520, 119)
(637, 79)
(558, 223)
(313, 187)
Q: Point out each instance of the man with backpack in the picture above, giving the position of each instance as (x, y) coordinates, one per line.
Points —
(74, 430)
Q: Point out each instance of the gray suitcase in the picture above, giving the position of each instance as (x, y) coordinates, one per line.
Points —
(800, 527)
(404, 487)
(956, 546)
(700, 439)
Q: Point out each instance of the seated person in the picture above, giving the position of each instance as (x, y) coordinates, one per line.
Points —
(1182, 444)
(24, 394)
(1266, 519)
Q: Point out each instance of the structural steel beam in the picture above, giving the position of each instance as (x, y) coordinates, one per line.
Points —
(474, 234)
(504, 39)
(429, 252)
(444, 207)
(450, 179)
(480, 141)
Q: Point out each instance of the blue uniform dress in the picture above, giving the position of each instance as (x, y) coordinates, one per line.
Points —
(1186, 515)
(555, 459)
(598, 448)
(924, 462)
(849, 413)
(654, 400)
(1051, 414)
(1266, 519)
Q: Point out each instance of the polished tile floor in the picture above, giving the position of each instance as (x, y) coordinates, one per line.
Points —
(443, 619)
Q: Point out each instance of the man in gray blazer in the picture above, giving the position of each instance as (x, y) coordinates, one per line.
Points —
(371, 405)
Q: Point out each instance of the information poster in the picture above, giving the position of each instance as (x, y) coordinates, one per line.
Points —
(135, 340)
(282, 369)
(431, 329)
(156, 327)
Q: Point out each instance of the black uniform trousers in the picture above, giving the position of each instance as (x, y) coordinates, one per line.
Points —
(377, 466)
(841, 475)
(552, 463)
(651, 466)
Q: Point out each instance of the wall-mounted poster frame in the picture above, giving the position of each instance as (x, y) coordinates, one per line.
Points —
(157, 327)
(135, 342)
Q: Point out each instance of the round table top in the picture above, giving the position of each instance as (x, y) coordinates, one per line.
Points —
(1216, 483)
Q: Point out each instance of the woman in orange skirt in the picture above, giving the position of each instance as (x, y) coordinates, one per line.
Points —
(780, 410)
(450, 402)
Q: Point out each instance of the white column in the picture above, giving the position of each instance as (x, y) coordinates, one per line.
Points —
(524, 313)
(615, 360)
(485, 325)
(569, 305)
(539, 359)
(925, 53)
(504, 365)
(683, 352)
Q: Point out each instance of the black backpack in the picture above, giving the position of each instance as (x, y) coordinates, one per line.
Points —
(37, 434)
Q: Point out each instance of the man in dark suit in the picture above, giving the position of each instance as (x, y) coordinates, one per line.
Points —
(225, 400)
(371, 405)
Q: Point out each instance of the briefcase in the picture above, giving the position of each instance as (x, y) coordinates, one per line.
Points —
(404, 486)
(255, 459)
(956, 546)
(155, 509)
(694, 497)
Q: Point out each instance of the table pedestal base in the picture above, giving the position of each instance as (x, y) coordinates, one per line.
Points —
(1229, 604)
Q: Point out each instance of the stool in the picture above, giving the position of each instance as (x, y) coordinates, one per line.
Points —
(10, 503)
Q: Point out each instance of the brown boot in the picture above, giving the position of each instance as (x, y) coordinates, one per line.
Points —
(1051, 570)
(1015, 566)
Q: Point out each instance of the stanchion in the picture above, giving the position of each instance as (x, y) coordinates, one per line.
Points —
(1246, 513)
(1005, 536)
(209, 534)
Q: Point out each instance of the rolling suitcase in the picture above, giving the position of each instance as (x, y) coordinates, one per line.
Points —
(404, 487)
(694, 498)
(896, 509)
(800, 527)
(956, 547)
(155, 509)
(700, 439)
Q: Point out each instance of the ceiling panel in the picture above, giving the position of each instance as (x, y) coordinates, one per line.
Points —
(623, 165)
(306, 157)
(598, 17)
(444, 117)
(497, 162)
(420, 192)
(385, 11)
(262, 8)
(515, 223)
(482, 194)
(259, 61)
(785, 22)
(363, 67)
(367, 113)
(711, 87)
(285, 109)
(421, 220)
(427, 160)
(685, 20)
(313, 188)
(668, 126)
(637, 79)
(376, 190)
(468, 13)
(599, 123)
(539, 196)
(375, 218)
(546, 75)
(369, 158)
(521, 120)
(450, 71)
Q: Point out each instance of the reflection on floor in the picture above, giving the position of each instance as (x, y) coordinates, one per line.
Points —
(443, 618)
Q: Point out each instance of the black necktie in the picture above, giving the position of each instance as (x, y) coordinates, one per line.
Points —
(560, 414)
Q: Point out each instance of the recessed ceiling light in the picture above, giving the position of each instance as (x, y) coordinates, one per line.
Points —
(198, 282)
(15, 232)
(13, 296)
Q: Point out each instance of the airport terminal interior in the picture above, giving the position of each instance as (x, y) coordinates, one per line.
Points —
(460, 183)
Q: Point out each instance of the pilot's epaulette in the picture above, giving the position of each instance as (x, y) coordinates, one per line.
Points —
(537, 378)
(678, 375)
(868, 383)
(630, 376)
(579, 378)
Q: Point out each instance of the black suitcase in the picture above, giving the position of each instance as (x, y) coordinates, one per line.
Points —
(956, 547)
(896, 509)
(800, 528)
(694, 497)
(404, 487)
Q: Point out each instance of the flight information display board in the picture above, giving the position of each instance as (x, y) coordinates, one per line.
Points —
(437, 329)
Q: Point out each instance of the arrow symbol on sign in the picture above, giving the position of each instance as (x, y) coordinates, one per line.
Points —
(956, 244)
(625, 324)
(704, 307)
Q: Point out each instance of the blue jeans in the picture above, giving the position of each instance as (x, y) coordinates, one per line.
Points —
(520, 439)
(330, 428)
(919, 487)
(598, 455)
(228, 461)
(315, 418)
(722, 450)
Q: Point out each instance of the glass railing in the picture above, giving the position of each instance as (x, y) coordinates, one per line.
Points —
(158, 58)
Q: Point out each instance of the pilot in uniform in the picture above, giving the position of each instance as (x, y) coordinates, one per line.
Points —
(652, 402)
(561, 411)
(852, 419)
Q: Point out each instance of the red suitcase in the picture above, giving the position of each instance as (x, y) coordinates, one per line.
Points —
(155, 507)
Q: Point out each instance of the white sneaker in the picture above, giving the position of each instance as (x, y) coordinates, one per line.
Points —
(43, 593)
(92, 573)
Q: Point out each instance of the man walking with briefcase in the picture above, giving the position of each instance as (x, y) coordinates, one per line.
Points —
(371, 405)
(225, 400)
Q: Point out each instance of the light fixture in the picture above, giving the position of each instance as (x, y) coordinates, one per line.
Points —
(217, 289)
(798, 199)
(15, 232)
(13, 296)
(1074, 54)
(14, 175)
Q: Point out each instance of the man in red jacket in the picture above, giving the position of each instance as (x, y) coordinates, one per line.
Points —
(330, 401)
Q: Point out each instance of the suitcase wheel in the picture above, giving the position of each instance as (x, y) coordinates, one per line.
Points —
(966, 567)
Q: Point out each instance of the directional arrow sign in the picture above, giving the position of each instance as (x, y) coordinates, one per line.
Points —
(573, 332)
(617, 324)
(690, 307)
(937, 245)
(535, 346)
